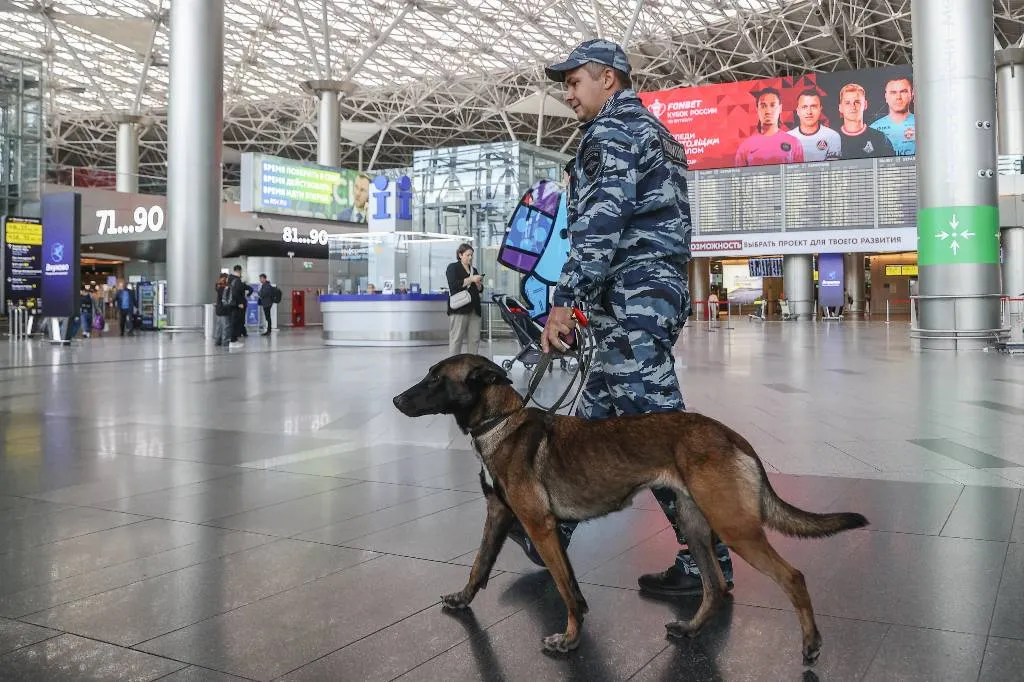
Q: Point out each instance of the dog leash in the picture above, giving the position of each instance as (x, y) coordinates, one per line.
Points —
(583, 353)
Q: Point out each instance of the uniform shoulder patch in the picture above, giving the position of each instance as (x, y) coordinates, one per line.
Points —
(674, 152)
(591, 161)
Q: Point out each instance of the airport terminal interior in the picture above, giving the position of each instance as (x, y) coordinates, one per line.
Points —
(229, 229)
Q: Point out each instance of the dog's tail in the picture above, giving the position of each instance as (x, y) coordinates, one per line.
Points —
(785, 518)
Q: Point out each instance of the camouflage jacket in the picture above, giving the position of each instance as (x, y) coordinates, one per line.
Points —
(629, 207)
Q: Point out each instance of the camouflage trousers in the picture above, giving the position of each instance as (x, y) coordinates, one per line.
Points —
(636, 323)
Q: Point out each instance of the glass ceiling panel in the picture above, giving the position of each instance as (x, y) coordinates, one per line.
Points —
(267, 54)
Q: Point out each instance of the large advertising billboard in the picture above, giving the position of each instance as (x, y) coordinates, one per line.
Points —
(271, 184)
(815, 117)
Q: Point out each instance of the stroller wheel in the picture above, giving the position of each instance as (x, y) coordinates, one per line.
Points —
(506, 365)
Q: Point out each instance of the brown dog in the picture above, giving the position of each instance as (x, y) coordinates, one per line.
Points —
(545, 467)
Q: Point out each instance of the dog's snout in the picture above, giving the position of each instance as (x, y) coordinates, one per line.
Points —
(398, 401)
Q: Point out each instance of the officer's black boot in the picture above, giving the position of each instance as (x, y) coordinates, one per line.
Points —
(682, 577)
(518, 535)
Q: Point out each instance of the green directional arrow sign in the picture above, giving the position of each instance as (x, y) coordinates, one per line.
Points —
(958, 234)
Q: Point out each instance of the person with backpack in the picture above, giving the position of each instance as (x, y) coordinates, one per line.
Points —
(269, 295)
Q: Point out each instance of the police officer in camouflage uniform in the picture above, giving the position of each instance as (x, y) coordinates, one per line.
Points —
(629, 217)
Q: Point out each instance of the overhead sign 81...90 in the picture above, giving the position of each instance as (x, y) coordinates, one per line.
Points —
(291, 235)
(151, 218)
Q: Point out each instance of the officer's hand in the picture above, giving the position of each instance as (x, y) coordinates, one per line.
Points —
(560, 321)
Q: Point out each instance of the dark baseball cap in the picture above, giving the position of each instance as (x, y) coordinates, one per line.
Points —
(599, 51)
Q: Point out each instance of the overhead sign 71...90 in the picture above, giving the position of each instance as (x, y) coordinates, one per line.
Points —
(291, 235)
(143, 218)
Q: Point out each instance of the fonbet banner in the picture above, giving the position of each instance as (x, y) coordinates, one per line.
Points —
(783, 243)
(816, 117)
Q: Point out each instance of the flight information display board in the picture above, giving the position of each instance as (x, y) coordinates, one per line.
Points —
(765, 267)
(832, 196)
(857, 194)
(739, 200)
(23, 263)
(897, 192)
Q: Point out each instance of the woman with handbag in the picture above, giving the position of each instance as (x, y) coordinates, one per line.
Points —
(464, 309)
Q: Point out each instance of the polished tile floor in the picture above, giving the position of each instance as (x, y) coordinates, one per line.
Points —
(172, 511)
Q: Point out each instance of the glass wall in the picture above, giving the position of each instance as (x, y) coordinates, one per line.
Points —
(471, 191)
(21, 135)
(409, 261)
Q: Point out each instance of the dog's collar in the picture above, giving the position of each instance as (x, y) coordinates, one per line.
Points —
(490, 424)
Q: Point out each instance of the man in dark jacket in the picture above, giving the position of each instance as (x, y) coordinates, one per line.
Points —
(125, 300)
(266, 301)
(236, 287)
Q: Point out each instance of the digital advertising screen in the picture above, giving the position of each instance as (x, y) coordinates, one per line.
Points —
(272, 184)
(62, 235)
(740, 286)
(862, 114)
(23, 263)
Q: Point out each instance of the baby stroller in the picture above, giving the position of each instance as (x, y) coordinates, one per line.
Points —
(527, 331)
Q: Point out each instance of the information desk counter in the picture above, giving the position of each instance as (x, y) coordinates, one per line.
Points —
(379, 320)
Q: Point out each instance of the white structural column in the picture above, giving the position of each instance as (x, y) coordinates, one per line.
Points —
(853, 267)
(127, 153)
(1010, 90)
(958, 215)
(195, 135)
(328, 144)
(798, 283)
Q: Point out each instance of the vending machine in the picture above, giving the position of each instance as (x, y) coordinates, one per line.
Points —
(146, 292)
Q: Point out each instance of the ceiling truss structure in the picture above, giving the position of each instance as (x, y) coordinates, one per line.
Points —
(430, 73)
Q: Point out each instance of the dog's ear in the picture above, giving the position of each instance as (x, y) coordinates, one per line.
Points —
(488, 375)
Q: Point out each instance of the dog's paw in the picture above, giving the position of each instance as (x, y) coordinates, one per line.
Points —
(455, 600)
(681, 628)
(560, 644)
(812, 650)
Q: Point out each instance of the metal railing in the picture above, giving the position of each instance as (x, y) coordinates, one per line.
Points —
(955, 334)
(1011, 316)
(20, 323)
(182, 328)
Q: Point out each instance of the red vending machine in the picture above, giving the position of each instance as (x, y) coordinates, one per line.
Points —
(298, 308)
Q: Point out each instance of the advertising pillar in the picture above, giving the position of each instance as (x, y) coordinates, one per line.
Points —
(61, 277)
(958, 215)
(195, 135)
(798, 282)
(831, 281)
